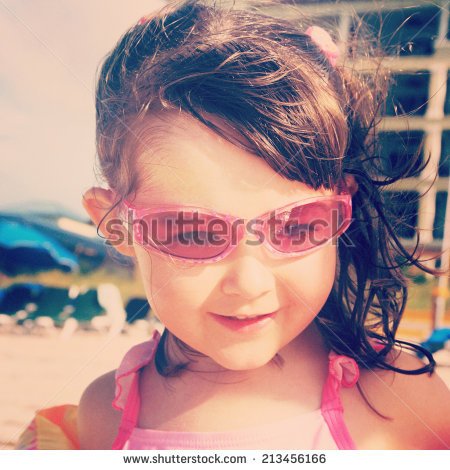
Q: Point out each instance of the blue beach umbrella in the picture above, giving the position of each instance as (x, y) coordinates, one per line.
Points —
(24, 249)
(73, 233)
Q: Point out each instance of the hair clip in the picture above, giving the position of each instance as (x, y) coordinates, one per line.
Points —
(143, 20)
(325, 42)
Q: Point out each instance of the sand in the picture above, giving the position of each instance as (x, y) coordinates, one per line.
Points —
(43, 371)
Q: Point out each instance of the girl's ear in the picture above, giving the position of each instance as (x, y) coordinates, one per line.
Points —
(351, 184)
(98, 203)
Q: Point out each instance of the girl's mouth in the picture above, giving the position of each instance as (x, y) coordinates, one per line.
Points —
(245, 325)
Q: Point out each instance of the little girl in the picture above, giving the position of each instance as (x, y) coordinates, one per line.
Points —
(238, 152)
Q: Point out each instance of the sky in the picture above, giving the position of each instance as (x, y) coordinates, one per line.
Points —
(49, 54)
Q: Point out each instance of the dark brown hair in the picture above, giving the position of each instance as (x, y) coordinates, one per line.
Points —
(310, 121)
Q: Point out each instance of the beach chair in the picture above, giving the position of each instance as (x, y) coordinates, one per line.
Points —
(437, 340)
(137, 308)
(16, 296)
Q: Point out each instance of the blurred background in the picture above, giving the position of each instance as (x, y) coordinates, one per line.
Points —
(69, 308)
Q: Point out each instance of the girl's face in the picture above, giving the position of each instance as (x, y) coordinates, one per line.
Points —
(191, 165)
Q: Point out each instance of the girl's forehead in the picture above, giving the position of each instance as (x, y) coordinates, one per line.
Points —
(185, 162)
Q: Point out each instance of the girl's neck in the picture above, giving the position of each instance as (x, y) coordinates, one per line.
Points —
(308, 347)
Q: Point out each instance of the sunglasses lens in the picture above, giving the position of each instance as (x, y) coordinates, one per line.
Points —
(307, 226)
(185, 234)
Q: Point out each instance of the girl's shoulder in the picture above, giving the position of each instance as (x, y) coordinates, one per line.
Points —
(98, 422)
(100, 410)
(417, 408)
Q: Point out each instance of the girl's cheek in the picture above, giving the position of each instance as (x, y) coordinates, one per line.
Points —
(312, 280)
(324, 267)
(166, 283)
(154, 274)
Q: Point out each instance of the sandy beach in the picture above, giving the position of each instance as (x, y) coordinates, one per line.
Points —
(43, 371)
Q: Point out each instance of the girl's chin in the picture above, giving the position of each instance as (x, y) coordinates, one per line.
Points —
(226, 358)
(243, 362)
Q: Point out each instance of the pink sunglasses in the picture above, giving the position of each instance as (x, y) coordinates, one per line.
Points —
(199, 235)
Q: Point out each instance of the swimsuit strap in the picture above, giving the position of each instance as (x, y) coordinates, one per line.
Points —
(129, 416)
(127, 377)
(343, 371)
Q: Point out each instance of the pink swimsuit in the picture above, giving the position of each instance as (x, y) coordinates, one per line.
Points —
(319, 429)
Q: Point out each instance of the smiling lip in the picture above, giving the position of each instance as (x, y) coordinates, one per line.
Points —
(245, 326)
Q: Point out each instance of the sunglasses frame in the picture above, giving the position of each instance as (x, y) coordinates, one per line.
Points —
(140, 213)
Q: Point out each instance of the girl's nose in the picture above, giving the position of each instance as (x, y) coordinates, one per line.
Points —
(248, 277)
